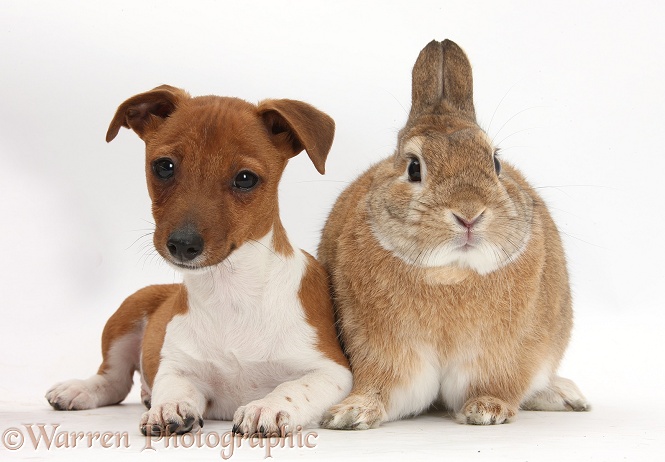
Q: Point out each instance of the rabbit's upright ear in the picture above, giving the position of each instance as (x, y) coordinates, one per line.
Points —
(457, 79)
(427, 80)
(442, 81)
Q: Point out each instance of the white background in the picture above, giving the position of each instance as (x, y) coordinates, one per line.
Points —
(571, 90)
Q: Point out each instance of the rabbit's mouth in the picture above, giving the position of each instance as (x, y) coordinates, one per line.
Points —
(474, 253)
(468, 241)
(466, 248)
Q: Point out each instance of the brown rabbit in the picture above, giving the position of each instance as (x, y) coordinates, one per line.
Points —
(448, 272)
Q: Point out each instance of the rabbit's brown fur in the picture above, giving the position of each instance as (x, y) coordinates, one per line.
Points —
(454, 287)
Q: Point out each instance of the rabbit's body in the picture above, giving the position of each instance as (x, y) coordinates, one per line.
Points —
(448, 272)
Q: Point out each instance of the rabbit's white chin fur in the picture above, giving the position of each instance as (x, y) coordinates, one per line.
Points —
(483, 257)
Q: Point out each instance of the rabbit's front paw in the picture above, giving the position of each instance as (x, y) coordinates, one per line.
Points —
(486, 410)
(356, 412)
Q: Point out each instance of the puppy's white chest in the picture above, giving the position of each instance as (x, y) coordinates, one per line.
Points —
(245, 330)
(231, 365)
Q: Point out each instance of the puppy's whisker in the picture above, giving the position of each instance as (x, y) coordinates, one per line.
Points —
(254, 241)
(139, 238)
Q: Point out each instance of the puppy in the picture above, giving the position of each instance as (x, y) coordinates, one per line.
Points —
(249, 335)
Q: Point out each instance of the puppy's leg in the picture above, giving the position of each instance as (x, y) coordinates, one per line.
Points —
(110, 385)
(296, 403)
(146, 394)
(121, 347)
(560, 395)
(177, 404)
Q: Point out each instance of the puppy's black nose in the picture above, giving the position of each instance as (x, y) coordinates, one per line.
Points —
(185, 244)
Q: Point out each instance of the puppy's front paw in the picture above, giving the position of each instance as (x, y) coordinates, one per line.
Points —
(74, 395)
(486, 410)
(356, 412)
(170, 418)
(261, 417)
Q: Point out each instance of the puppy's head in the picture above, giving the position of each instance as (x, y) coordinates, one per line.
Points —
(213, 165)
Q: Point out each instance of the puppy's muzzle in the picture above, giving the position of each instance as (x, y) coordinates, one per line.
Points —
(185, 244)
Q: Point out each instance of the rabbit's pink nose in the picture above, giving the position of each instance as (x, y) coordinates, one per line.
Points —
(466, 222)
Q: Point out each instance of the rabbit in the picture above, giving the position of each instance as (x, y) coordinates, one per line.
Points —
(448, 273)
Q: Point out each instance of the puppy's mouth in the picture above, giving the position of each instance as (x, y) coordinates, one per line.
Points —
(187, 249)
(188, 266)
(195, 266)
(198, 264)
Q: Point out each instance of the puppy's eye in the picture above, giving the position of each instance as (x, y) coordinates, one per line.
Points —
(163, 168)
(245, 180)
(497, 164)
(414, 170)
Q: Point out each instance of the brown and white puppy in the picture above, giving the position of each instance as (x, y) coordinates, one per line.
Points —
(249, 335)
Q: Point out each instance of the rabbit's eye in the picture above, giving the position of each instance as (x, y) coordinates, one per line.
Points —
(497, 165)
(414, 170)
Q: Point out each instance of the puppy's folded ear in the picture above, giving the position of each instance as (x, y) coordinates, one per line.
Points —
(294, 126)
(145, 112)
